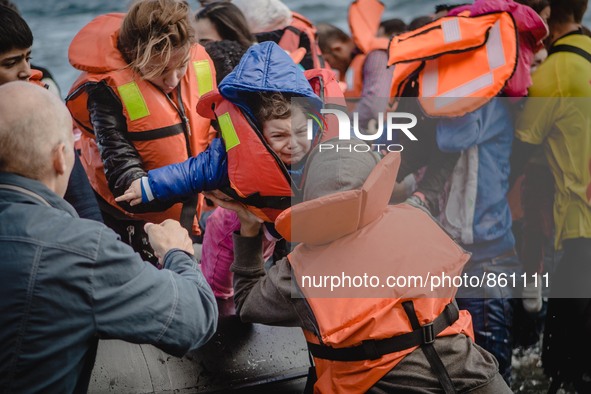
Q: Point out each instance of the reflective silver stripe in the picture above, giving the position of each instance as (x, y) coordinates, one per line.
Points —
(430, 78)
(464, 90)
(451, 31)
(494, 47)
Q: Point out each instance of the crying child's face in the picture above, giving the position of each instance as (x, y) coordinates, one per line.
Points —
(288, 137)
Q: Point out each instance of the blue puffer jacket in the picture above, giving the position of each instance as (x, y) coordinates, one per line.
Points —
(477, 212)
(264, 67)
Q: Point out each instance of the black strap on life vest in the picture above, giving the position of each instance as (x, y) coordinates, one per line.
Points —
(188, 212)
(429, 350)
(258, 201)
(376, 348)
(571, 49)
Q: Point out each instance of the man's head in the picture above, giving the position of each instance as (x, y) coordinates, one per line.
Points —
(264, 15)
(16, 40)
(567, 11)
(36, 139)
(336, 46)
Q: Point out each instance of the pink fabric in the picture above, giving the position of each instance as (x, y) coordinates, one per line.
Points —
(532, 30)
(218, 251)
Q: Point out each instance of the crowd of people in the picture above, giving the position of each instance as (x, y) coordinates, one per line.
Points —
(220, 128)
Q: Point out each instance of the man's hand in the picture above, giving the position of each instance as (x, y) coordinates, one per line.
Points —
(133, 194)
(166, 236)
(250, 225)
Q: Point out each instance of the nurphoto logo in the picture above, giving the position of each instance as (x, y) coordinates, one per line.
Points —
(387, 123)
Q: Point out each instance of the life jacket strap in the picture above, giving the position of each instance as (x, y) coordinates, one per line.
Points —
(374, 349)
(428, 348)
(258, 201)
(290, 41)
(571, 49)
(188, 212)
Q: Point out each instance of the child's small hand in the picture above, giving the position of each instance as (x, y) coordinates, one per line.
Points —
(250, 225)
(133, 194)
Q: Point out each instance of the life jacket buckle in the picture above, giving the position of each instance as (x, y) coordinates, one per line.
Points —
(428, 333)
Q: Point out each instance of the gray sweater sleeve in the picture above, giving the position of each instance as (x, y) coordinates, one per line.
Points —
(173, 309)
(265, 297)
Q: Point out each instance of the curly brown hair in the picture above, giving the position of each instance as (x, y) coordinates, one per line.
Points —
(273, 105)
(153, 29)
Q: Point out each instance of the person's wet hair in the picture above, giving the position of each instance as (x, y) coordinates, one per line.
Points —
(448, 7)
(393, 26)
(564, 10)
(9, 4)
(228, 20)
(153, 29)
(225, 55)
(14, 31)
(276, 105)
(419, 22)
(536, 5)
(272, 105)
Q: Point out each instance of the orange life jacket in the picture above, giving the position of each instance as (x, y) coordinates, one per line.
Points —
(290, 41)
(364, 22)
(355, 232)
(460, 62)
(257, 176)
(164, 130)
(37, 78)
(299, 40)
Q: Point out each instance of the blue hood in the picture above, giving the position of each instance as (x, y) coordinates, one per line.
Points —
(265, 67)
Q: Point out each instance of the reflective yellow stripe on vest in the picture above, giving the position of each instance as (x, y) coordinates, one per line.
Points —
(228, 132)
(204, 78)
(133, 101)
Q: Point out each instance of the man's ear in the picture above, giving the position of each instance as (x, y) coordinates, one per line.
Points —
(59, 159)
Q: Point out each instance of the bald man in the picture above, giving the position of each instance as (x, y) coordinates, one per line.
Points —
(66, 281)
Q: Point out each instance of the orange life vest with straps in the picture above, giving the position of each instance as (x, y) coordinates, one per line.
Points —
(459, 62)
(164, 130)
(356, 233)
(364, 22)
(257, 176)
(290, 41)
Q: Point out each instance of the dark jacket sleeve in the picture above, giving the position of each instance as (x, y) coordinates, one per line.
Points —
(173, 309)
(265, 297)
(80, 195)
(121, 160)
(204, 172)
